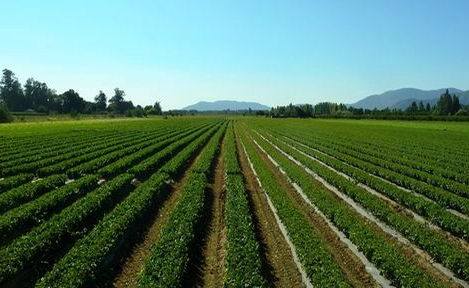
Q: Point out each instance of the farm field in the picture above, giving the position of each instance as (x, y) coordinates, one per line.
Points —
(234, 202)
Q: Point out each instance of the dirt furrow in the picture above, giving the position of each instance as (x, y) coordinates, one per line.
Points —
(418, 256)
(213, 254)
(133, 264)
(350, 264)
(279, 266)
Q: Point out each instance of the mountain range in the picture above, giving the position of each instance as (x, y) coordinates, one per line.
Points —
(226, 105)
(403, 98)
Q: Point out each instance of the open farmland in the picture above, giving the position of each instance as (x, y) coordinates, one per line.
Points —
(242, 202)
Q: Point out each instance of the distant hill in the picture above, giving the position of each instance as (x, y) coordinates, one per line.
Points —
(226, 105)
(403, 98)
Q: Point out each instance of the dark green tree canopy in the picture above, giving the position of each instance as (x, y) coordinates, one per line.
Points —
(72, 102)
(448, 105)
(11, 93)
(157, 108)
(37, 95)
(101, 101)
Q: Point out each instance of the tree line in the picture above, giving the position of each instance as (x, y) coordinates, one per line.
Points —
(447, 105)
(36, 97)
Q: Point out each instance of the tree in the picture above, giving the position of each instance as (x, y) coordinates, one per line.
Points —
(72, 102)
(5, 116)
(444, 105)
(37, 95)
(157, 107)
(448, 105)
(116, 101)
(101, 101)
(11, 93)
(421, 107)
(412, 108)
(455, 105)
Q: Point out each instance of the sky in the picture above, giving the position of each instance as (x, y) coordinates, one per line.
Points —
(271, 52)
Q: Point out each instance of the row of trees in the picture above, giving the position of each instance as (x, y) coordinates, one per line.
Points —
(36, 96)
(447, 105)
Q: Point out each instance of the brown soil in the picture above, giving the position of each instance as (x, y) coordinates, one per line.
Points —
(353, 268)
(348, 265)
(213, 254)
(279, 266)
(133, 264)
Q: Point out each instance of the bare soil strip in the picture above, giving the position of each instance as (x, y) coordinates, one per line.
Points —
(418, 256)
(133, 264)
(212, 269)
(279, 266)
(357, 273)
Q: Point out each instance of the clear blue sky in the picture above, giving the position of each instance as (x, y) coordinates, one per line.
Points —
(272, 52)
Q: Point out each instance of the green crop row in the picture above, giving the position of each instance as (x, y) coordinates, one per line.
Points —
(243, 262)
(115, 159)
(451, 255)
(30, 191)
(432, 211)
(21, 219)
(231, 163)
(83, 263)
(181, 160)
(149, 164)
(316, 260)
(79, 265)
(205, 163)
(15, 181)
(387, 257)
(442, 197)
(31, 248)
(170, 255)
(42, 147)
(40, 161)
(384, 161)
(96, 151)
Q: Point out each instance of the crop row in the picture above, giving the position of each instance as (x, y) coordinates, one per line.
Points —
(89, 255)
(17, 196)
(403, 167)
(442, 197)
(432, 211)
(385, 255)
(68, 224)
(46, 144)
(243, 262)
(109, 164)
(450, 254)
(15, 181)
(421, 162)
(315, 258)
(40, 160)
(22, 218)
(171, 254)
(44, 239)
(99, 150)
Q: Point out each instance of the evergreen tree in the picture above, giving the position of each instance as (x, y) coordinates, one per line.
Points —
(445, 104)
(455, 105)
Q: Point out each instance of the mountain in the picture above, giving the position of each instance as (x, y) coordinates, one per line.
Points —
(403, 98)
(226, 105)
